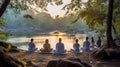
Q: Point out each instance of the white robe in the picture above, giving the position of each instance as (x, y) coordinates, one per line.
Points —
(31, 47)
(86, 46)
(59, 48)
(76, 48)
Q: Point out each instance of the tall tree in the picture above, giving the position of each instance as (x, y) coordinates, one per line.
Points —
(110, 41)
(4, 6)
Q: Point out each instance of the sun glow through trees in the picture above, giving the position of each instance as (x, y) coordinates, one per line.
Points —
(53, 9)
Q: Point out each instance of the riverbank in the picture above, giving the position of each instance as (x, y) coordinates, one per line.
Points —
(14, 57)
(41, 60)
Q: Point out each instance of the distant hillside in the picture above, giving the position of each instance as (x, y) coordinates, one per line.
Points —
(30, 20)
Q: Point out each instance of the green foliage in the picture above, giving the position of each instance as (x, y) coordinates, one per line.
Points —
(74, 6)
(95, 15)
(94, 12)
(72, 27)
(18, 5)
(118, 27)
(3, 37)
(25, 4)
(2, 22)
(3, 34)
(116, 17)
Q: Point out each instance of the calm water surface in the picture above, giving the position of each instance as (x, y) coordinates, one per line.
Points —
(22, 42)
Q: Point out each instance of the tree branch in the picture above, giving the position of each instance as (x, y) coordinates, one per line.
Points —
(4, 6)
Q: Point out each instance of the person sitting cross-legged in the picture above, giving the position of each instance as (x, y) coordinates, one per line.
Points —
(92, 43)
(76, 47)
(98, 42)
(46, 47)
(86, 45)
(60, 48)
(32, 47)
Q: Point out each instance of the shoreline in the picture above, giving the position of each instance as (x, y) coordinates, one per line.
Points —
(41, 60)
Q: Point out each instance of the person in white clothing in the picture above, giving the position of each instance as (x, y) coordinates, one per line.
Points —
(60, 47)
(32, 47)
(76, 47)
(86, 45)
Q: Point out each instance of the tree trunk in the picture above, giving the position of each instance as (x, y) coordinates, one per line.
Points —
(4, 6)
(110, 41)
(114, 29)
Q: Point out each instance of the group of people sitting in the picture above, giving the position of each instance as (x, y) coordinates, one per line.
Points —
(60, 49)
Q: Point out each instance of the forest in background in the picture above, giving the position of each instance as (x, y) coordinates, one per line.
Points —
(41, 22)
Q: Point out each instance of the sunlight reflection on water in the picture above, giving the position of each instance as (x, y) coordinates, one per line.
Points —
(22, 42)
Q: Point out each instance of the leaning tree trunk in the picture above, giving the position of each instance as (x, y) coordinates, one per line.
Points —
(110, 41)
(4, 6)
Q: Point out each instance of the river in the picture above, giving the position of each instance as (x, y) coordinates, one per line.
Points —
(68, 40)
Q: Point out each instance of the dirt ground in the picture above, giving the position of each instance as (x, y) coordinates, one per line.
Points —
(41, 60)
